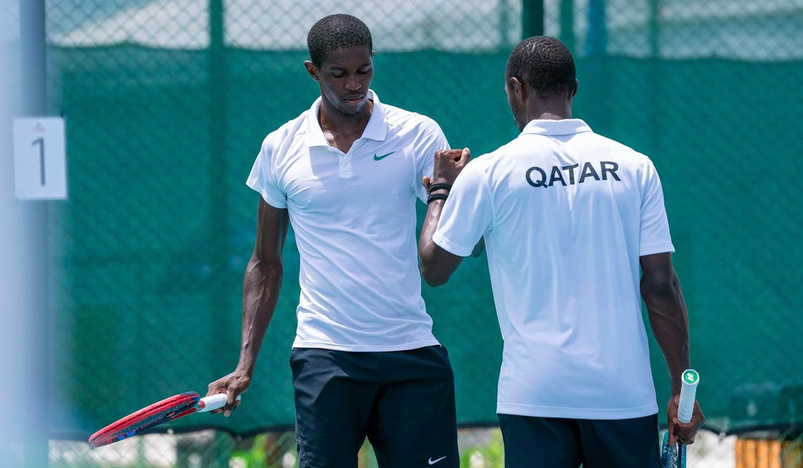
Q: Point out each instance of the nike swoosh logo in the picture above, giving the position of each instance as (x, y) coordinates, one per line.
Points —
(379, 158)
(432, 462)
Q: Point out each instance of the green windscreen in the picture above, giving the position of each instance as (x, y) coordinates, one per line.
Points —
(149, 251)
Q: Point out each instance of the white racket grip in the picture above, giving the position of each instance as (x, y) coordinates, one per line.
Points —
(688, 392)
(213, 402)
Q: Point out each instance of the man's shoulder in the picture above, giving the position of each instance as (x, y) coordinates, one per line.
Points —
(409, 120)
(483, 167)
(287, 132)
(618, 150)
(488, 160)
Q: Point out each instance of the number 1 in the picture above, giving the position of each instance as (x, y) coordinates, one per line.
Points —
(41, 143)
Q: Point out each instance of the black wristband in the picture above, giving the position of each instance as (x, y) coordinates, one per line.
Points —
(440, 186)
(437, 196)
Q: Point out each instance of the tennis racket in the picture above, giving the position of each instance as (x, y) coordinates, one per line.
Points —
(175, 407)
(674, 456)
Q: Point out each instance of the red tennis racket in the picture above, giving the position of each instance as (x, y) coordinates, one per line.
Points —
(160, 412)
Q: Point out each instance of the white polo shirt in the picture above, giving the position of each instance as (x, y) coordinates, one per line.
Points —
(354, 220)
(565, 213)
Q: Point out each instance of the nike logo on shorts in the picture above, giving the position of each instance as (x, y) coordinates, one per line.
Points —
(432, 462)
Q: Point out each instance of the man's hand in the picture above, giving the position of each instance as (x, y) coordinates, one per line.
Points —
(233, 385)
(447, 165)
(679, 432)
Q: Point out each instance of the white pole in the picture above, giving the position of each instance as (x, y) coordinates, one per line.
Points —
(23, 248)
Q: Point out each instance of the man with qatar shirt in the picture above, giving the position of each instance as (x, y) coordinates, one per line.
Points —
(568, 217)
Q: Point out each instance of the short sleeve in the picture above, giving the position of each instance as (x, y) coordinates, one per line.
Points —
(654, 231)
(262, 178)
(467, 214)
(432, 140)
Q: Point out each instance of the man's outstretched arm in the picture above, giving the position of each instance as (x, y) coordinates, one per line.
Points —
(660, 288)
(263, 279)
(437, 265)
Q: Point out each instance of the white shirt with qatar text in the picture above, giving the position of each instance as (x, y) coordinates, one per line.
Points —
(565, 214)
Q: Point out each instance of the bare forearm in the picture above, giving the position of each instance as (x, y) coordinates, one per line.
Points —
(426, 247)
(260, 295)
(437, 265)
(670, 323)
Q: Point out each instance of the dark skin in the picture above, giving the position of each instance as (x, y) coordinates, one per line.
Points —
(344, 78)
(263, 280)
(660, 287)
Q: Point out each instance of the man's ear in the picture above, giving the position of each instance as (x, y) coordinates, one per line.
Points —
(312, 70)
(519, 88)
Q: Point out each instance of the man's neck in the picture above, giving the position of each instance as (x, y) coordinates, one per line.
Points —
(552, 116)
(553, 109)
(340, 130)
(339, 124)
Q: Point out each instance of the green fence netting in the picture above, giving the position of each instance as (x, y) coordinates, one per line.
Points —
(167, 102)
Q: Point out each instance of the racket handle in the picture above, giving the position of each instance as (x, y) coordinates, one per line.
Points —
(688, 390)
(212, 402)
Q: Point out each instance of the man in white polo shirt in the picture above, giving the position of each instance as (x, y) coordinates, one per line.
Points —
(567, 217)
(346, 174)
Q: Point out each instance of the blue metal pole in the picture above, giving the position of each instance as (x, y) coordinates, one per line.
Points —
(597, 37)
(34, 311)
(532, 18)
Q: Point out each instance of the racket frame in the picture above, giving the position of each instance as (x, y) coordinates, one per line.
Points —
(160, 412)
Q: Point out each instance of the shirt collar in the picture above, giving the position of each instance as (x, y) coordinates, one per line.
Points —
(376, 129)
(556, 127)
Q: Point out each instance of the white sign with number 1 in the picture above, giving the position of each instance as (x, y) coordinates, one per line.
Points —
(40, 159)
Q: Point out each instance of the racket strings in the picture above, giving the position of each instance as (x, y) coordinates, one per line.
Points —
(143, 424)
(145, 418)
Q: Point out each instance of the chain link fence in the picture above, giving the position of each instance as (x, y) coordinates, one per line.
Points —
(167, 101)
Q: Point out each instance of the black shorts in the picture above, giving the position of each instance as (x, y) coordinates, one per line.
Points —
(566, 443)
(403, 401)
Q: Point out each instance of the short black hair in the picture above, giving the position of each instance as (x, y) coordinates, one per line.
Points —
(335, 32)
(545, 64)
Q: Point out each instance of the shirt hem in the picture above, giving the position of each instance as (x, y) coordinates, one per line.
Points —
(270, 201)
(450, 246)
(366, 348)
(650, 249)
(577, 413)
